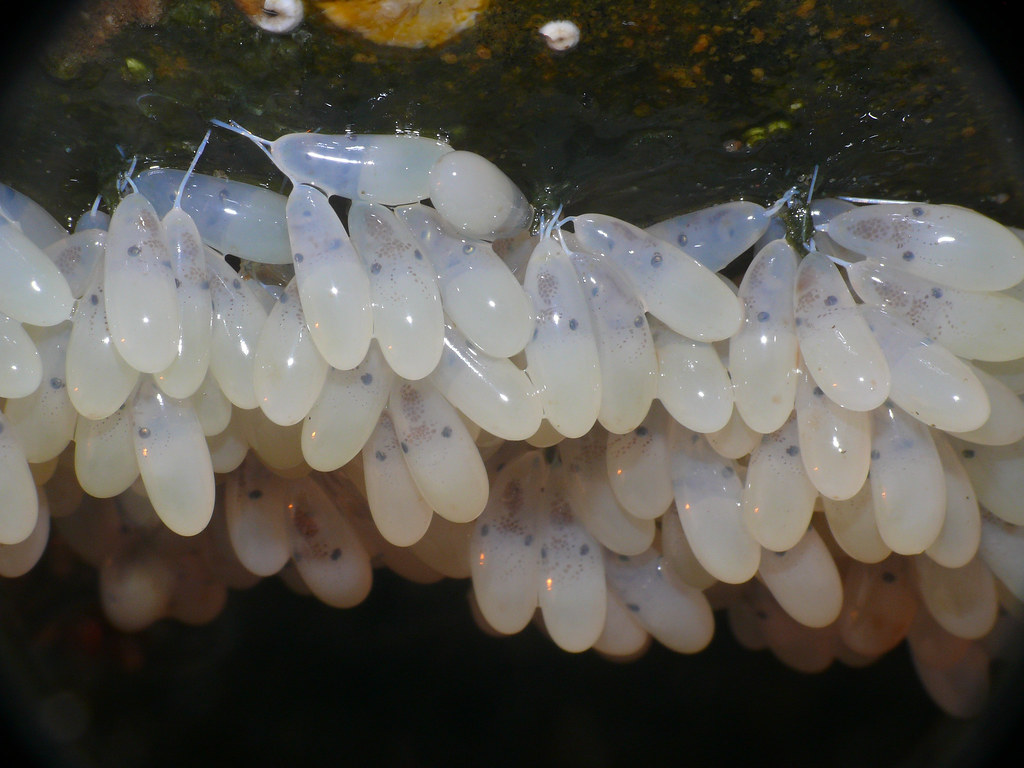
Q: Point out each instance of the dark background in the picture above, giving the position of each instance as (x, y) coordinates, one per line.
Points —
(409, 680)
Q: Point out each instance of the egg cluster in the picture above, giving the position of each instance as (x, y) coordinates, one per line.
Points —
(588, 419)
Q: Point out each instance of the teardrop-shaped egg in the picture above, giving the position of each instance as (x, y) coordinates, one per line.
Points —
(763, 355)
(837, 346)
(332, 280)
(407, 318)
(951, 245)
(173, 460)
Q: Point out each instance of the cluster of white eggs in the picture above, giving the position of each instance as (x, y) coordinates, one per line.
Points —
(593, 423)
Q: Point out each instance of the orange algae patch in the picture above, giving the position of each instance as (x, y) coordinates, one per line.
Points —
(404, 23)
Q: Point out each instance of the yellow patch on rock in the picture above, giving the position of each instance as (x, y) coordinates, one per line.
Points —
(404, 23)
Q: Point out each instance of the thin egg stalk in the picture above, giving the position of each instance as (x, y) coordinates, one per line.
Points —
(838, 348)
(674, 287)
(479, 292)
(440, 454)
(907, 482)
(562, 357)
(572, 596)
(99, 380)
(504, 550)
(22, 369)
(953, 246)
(289, 371)
(195, 306)
(928, 381)
(763, 355)
(173, 460)
(408, 321)
(21, 500)
(476, 198)
(398, 509)
(332, 280)
(139, 291)
(33, 289)
(232, 217)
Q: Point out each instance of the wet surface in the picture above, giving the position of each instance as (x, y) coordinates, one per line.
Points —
(664, 107)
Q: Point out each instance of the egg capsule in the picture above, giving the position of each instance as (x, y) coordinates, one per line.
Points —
(98, 377)
(21, 501)
(408, 321)
(837, 346)
(718, 235)
(676, 614)
(479, 293)
(288, 371)
(504, 551)
(927, 380)
(398, 508)
(572, 592)
(907, 482)
(173, 460)
(139, 291)
(232, 217)
(332, 279)
(625, 349)
(391, 170)
(763, 354)
(977, 325)
(950, 245)
(708, 496)
(594, 505)
(476, 198)
(33, 289)
(562, 357)
(674, 287)
(345, 413)
(21, 368)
